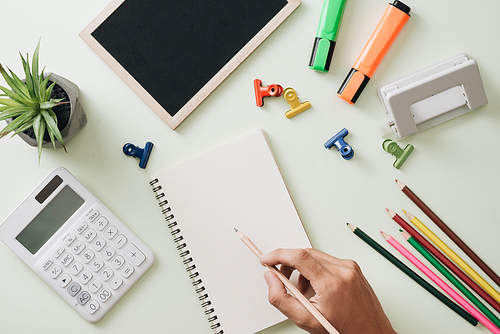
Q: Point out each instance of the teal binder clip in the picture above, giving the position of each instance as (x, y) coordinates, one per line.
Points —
(326, 37)
(401, 155)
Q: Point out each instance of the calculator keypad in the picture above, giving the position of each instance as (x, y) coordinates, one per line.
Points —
(95, 261)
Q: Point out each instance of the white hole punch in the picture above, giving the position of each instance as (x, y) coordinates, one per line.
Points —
(431, 96)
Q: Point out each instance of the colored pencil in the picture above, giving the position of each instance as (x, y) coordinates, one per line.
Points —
(292, 288)
(451, 278)
(413, 275)
(433, 277)
(444, 260)
(449, 232)
(453, 256)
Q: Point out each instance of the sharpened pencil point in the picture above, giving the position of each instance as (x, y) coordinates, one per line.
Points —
(352, 227)
(235, 229)
(400, 184)
(385, 235)
(391, 213)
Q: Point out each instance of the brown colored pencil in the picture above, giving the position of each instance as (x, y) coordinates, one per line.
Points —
(456, 239)
(444, 260)
(292, 288)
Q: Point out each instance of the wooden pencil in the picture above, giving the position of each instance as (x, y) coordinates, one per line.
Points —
(433, 277)
(449, 232)
(447, 262)
(473, 299)
(292, 288)
(453, 256)
(413, 275)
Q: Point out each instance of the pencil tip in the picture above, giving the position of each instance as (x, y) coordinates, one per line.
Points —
(400, 184)
(235, 229)
(352, 227)
(405, 234)
(385, 235)
(390, 212)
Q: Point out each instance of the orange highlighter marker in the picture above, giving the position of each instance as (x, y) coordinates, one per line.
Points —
(395, 17)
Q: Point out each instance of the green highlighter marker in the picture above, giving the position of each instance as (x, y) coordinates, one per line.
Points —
(329, 23)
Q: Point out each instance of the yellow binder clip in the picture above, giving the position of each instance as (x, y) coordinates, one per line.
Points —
(296, 107)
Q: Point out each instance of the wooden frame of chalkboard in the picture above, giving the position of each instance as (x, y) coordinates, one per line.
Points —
(174, 53)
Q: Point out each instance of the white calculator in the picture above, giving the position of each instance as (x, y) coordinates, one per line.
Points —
(76, 244)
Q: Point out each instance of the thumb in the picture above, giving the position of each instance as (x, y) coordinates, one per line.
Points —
(281, 299)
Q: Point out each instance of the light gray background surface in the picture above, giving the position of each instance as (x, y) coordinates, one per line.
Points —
(454, 167)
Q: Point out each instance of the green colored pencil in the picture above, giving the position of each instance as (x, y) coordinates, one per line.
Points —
(451, 278)
(414, 276)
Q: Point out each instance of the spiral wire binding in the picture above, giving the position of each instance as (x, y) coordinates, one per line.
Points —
(186, 259)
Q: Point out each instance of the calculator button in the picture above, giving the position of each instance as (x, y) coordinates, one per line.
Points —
(93, 215)
(74, 288)
(47, 264)
(118, 262)
(104, 294)
(58, 251)
(106, 274)
(90, 235)
(111, 232)
(55, 271)
(88, 256)
(97, 265)
(78, 247)
(115, 283)
(64, 280)
(127, 270)
(95, 286)
(85, 277)
(76, 268)
(108, 253)
(134, 254)
(83, 298)
(99, 244)
(101, 223)
(69, 240)
(66, 259)
(120, 241)
(93, 306)
(82, 227)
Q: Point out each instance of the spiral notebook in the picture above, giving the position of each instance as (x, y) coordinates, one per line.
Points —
(237, 184)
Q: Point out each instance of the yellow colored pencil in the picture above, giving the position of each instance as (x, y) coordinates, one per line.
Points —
(453, 256)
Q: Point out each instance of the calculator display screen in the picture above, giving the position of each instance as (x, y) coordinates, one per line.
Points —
(50, 219)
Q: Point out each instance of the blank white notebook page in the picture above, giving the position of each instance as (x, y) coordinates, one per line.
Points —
(236, 185)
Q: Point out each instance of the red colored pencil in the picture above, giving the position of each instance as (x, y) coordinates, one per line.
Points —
(444, 260)
(448, 231)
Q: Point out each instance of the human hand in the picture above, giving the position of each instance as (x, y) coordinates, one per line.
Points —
(343, 295)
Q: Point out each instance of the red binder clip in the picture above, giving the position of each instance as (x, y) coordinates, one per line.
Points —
(262, 92)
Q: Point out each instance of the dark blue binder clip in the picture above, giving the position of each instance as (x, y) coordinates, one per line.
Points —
(338, 140)
(141, 153)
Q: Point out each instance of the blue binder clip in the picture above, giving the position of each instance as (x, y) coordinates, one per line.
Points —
(345, 150)
(141, 153)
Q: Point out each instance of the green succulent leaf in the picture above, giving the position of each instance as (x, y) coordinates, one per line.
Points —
(11, 103)
(19, 98)
(52, 127)
(23, 128)
(39, 128)
(13, 112)
(34, 65)
(19, 121)
(29, 80)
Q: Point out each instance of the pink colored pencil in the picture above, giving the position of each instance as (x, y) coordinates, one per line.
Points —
(453, 294)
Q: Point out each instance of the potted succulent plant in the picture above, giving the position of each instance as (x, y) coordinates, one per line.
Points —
(43, 109)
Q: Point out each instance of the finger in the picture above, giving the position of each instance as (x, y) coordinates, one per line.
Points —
(286, 270)
(300, 259)
(281, 299)
(290, 306)
(303, 284)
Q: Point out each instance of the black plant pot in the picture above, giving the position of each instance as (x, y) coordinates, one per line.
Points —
(71, 117)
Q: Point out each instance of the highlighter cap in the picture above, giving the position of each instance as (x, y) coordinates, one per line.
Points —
(352, 86)
(401, 6)
(322, 54)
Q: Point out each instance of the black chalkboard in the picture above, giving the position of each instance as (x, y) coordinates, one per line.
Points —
(174, 53)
